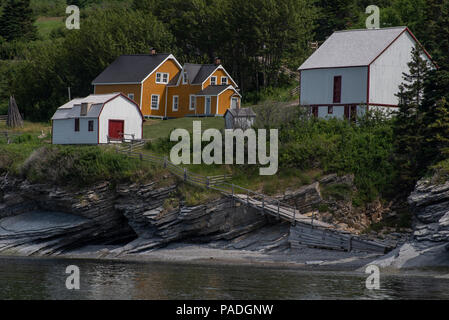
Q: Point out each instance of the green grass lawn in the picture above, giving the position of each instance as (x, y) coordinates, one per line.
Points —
(45, 25)
(155, 129)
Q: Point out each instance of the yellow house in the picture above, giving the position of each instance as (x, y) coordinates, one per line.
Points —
(165, 89)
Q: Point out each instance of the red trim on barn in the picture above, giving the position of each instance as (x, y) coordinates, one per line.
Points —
(367, 88)
(318, 68)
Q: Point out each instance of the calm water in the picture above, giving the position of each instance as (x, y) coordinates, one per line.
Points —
(37, 278)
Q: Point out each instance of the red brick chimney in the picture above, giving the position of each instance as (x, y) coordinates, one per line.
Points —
(217, 61)
(152, 51)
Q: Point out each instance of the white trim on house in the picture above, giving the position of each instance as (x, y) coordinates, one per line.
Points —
(185, 78)
(173, 103)
(158, 102)
(190, 102)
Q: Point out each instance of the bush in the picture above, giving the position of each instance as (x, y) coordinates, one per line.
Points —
(79, 166)
(336, 146)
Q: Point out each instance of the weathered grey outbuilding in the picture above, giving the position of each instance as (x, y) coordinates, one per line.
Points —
(242, 118)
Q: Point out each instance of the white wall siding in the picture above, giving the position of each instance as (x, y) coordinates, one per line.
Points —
(64, 132)
(121, 109)
(386, 71)
(317, 86)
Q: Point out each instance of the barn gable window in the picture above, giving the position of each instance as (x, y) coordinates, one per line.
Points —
(91, 125)
(154, 101)
(77, 124)
(337, 89)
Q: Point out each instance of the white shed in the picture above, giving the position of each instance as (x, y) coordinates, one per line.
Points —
(356, 70)
(96, 119)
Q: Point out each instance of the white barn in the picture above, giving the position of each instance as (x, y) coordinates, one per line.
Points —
(96, 119)
(357, 70)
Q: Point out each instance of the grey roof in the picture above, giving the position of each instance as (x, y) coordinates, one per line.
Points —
(197, 73)
(72, 109)
(130, 68)
(213, 90)
(242, 112)
(352, 48)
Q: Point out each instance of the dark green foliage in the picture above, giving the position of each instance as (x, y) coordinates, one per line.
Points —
(408, 133)
(337, 146)
(40, 84)
(16, 21)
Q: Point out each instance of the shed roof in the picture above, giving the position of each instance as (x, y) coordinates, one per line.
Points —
(352, 48)
(241, 113)
(72, 109)
(132, 68)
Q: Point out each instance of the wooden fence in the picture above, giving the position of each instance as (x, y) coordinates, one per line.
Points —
(3, 118)
(305, 230)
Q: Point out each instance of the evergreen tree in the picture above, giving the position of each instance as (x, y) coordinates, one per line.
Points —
(17, 21)
(440, 129)
(408, 138)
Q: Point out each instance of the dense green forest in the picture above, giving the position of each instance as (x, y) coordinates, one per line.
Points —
(253, 38)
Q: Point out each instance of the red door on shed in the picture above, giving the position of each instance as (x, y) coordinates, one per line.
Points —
(116, 129)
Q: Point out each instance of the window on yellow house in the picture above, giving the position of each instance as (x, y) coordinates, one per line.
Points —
(162, 77)
(154, 102)
(192, 104)
(213, 81)
(175, 103)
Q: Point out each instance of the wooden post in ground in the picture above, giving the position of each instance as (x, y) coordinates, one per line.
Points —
(185, 174)
(247, 198)
(278, 210)
(263, 204)
(165, 162)
(207, 182)
(140, 156)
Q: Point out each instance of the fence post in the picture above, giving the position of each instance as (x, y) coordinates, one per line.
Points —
(313, 215)
(278, 210)
(185, 174)
(263, 203)
(165, 162)
(207, 182)
(232, 190)
(247, 197)
(140, 156)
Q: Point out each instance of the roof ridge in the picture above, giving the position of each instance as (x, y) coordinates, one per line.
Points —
(375, 29)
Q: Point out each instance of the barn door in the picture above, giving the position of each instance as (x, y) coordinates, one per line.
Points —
(116, 129)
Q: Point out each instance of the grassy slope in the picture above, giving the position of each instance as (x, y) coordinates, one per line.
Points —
(155, 129)
(45, 25)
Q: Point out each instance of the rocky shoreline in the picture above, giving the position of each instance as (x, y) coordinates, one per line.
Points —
(140, 222)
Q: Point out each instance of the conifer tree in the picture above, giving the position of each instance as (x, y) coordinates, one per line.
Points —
(440, 129)
(16, 21)
(408, 122)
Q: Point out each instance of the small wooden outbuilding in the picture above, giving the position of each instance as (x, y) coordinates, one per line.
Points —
(242, 118)
(97, 119)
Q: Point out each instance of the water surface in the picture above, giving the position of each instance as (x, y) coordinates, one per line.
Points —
(44, 278)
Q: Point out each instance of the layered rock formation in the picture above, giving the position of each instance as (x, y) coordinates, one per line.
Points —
(44, 219)
(429, 203)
